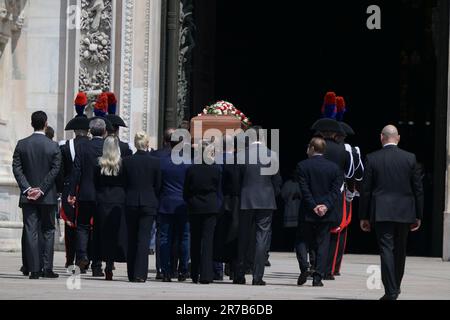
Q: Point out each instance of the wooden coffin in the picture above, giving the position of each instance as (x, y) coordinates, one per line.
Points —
(218, 122)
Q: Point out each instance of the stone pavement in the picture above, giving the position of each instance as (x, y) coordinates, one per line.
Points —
(425, 279)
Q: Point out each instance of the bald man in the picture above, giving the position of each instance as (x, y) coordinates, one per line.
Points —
(392, 203)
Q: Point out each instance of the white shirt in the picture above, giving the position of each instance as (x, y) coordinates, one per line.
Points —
(39, 132)
(389, 144)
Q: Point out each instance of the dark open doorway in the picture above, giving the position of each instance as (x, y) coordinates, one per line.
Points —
(276, 62)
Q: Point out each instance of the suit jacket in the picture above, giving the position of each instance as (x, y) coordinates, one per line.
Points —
(392, 187)
(231, 179)
(142, 174)
(125, 150)
(258, 192)
(201, 189)
(109, 189)
(36, 163)
(320, 182)
(86, 161)
(65, 173)
(171, 199)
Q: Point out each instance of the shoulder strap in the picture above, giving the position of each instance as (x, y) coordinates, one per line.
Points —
(351, 167)
(72, 149)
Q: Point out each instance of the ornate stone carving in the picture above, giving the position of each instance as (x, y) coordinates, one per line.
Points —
(12, 11)
(127, 67)
(95, 45)
(146, 65)
(186, 44)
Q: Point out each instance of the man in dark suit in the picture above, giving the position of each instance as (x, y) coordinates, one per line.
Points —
(392, 202)
(80, 126)
(82, 190)
(36, 164)
(320, 182)
(258, 201)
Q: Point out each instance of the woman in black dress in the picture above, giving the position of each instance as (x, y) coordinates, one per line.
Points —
(201, 193)
(110, 193)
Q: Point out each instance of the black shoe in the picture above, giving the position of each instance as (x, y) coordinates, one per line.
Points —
(317, 283)
(239, 281)
(391, 297)
(268, 264)
(159, 276)
(195, 280)
(329, 277)
(167, 279)
(49, 274)
(35, 275)
(258, 283)
(302, 278)
(205, 282)
(139, 280)
(98, 273)
(218, 277)
(182, 277)
(24, 271)
(337, 274)
(83, 264)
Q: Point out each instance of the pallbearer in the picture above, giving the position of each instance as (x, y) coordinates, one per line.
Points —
(80, 126)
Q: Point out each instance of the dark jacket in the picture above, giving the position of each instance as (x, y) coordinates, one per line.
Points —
(171, 197)
(320, 182)
(36, 163)
(142, 174)
(258, 191)
(86, 160)
(125, 150)
(109, 189)
(201, 189)
(392, 187)
(65, 172)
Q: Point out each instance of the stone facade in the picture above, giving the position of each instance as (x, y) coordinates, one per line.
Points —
(49, 50)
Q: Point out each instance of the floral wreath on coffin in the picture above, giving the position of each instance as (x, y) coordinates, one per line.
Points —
(225, 108)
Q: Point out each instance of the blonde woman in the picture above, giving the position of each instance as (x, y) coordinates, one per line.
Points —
(142, 175)
(110, 222)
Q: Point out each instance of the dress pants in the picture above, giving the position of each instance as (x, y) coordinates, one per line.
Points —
(139, 223)
(392, 240)
(174, 226)
(312, 235)
(261, 220)
(87, 235)
(70, 238)
(202, 243)
(39, 219)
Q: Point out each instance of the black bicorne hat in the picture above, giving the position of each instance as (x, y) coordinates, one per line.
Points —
(116, 121)
(347, 129)
(78, 123)
(329, 125)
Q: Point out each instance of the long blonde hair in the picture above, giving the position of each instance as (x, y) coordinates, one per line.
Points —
(110, 162)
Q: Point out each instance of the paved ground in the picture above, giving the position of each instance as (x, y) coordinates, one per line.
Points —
(425, 279)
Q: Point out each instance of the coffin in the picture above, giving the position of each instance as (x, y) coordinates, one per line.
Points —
(218, 122)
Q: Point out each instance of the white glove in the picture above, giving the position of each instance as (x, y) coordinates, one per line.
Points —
(349, 195)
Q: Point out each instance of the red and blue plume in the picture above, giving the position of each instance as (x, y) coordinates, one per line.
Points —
(341, 108)
(329, 109)
(81, 102)
(101, 105)
(112, 103)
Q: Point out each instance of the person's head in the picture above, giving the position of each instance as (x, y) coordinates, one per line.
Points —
(111, 161)
(49, 132)
(142, 141)
(168, 138)
(81, 133)
(39, 120)
(317, 146)
(97, 127)
(328, 135)
(340, 137)
(389, 135)
(114, 131)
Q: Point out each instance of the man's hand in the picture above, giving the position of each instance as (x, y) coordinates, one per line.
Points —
(320, 210)
(416, 226)
(71, 200)
(34, 194)
(365, 225)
